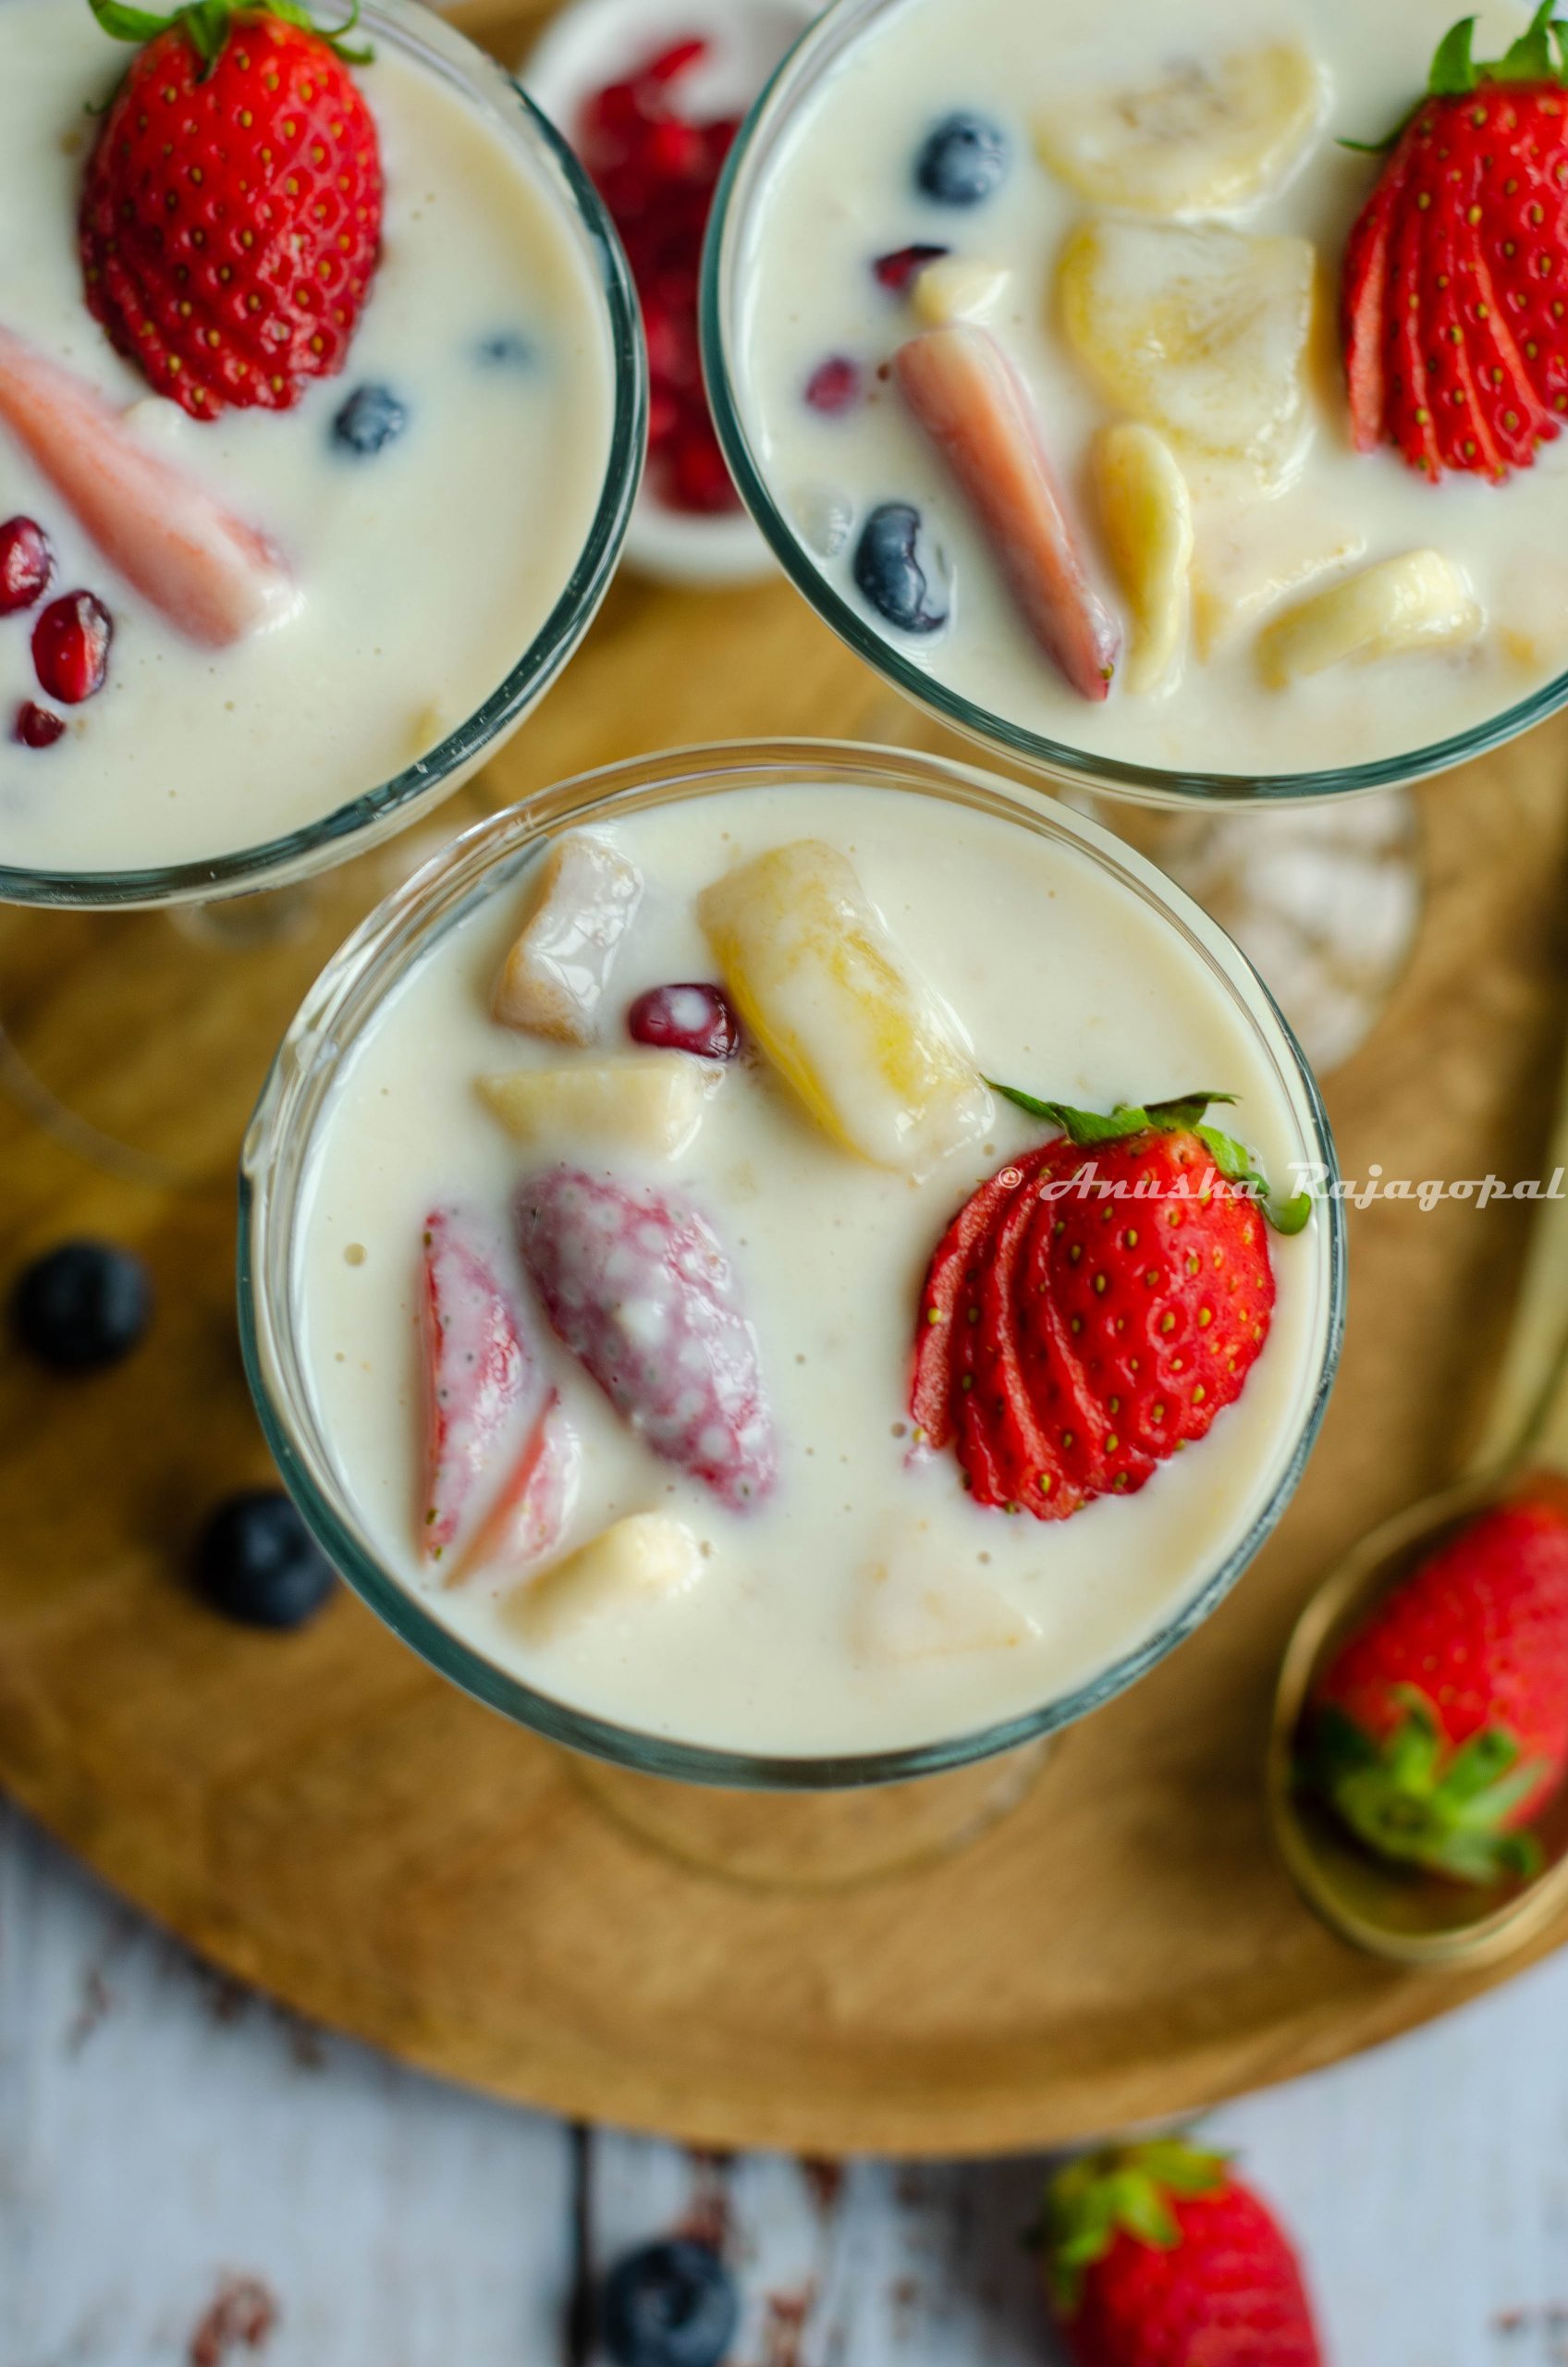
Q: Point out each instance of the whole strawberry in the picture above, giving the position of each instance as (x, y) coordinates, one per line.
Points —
(1442, 1726)
(1094, 1305)
(1157, 2256)
(1456, 272)
(231, 220)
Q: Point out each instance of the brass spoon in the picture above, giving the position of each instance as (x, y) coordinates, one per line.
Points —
(1400, 1913)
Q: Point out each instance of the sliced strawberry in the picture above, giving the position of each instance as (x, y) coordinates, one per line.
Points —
(1409, 408)
(530, 1514)
(971, 402)
(932, 1381)
(1032, 1465)
(1363, 315)
(638, 1285)
(213, 578)
(1093, 1441)
(484, 1383)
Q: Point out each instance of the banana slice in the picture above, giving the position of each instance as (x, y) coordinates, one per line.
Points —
(911, 1604)
(874, 1057)
(1147, 515)
(1251, 557)
(630, 1566)
(1201, 332)
(1205, 139)
(652, 1101)
(1420, 601)
(957, 287)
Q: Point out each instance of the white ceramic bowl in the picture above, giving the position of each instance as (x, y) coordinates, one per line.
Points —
(595, 42)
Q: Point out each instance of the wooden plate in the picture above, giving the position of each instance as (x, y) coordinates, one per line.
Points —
(321, 1816)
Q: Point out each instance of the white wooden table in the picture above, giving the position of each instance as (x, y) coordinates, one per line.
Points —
(189, 2178)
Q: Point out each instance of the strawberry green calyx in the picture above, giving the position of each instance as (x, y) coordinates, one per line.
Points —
(1455, 71)
(1182, 1114)
(1127, 2192)
(208, 23)
(1414, 1798)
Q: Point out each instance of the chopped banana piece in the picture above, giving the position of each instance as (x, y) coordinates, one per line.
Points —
(1147, 514)
(957, 287)
(877, 1058)
(652, 1101)
(912, 1606)
(638, 1562)
(1421, 601)
(584, 902)
(1203, 139)
(1251, 557)
(1201, 332)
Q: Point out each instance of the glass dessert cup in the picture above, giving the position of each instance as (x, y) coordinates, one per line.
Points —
(1324, 896)
(760, 1817)
(182, 933)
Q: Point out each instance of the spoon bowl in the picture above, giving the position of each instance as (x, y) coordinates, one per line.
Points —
(1402, 1913)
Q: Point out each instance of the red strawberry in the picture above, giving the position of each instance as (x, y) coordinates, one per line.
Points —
(638, 1285)
(1157, 2256)
(1094, 1305)
(1442, 1726)
(1456, 272)
(485, 1389)
(231, 217)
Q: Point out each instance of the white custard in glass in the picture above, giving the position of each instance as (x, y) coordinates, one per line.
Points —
(868, 1604)
(424, 570)
(833, 186)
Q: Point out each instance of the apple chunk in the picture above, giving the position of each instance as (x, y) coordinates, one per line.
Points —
(972, 403)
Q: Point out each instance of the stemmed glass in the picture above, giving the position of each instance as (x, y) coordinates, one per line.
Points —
(171, 947)
(1324, 895)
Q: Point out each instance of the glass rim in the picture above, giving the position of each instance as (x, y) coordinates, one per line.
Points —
(376, 812)
(411, 918)
(819, 45)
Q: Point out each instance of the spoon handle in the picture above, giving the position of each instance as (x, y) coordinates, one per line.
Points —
(1530, 1402)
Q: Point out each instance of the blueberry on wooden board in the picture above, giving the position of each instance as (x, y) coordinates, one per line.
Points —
(669, 2305)
(256, 1562)
(83, 1306)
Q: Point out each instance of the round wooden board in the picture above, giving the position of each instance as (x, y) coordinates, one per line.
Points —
(323, 1817)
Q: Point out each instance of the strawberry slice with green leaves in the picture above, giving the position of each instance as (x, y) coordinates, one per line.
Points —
(1097, 1304)
(1455, 273)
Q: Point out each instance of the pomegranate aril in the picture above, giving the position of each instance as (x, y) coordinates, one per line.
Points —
(71, 647)
(36, 728)
(834, 385)
(699, 1019)
(26, 565)
(897, 270)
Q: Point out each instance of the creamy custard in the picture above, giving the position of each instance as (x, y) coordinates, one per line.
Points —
(839, 190)
(424, 571)
(867, 1603)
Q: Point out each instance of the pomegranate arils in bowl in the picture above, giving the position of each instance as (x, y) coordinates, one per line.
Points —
(656, 170)
(834, 385)
(26, 565)
(71, 647)
(35, 726)
(692, 1018)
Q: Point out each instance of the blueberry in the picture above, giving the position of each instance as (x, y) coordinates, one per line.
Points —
(257, 1561)
(83, 1305)
(669, 2305)
(963, 160)
(889, 571)
(371, 419)
(508, 350)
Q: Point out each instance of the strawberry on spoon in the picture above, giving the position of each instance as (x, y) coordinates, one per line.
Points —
(214, 578)
(1456, 272)
(231, 222)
